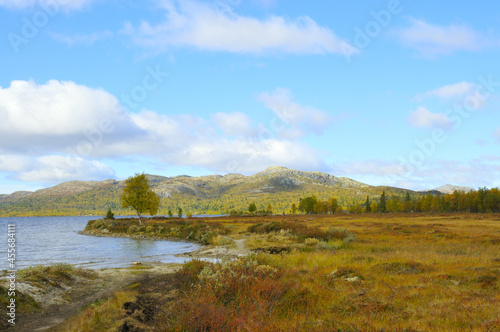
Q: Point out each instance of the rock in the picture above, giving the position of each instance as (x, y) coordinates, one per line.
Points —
(351, 279)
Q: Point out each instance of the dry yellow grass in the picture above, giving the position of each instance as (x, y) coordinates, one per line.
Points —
(101, 316)
(402, 273)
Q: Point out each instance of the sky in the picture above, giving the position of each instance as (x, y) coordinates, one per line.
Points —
(395, 92)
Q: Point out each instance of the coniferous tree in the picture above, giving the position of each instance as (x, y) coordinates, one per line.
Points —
(383, 202)
(368, 207)
(110, 214)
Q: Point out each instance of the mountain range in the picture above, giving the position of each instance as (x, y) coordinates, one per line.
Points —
(278, 186)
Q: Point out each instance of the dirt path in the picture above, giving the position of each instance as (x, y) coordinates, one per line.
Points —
(59, 305)
(241, 244)
(221, 252)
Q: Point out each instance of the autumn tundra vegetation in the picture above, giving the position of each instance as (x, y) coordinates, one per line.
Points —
(428, 263)
(435, 267)
(317, 272)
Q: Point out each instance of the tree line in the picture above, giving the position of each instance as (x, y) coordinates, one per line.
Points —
(139, 196)
(476, 201)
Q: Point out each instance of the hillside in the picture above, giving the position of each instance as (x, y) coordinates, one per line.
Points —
(214, 194)
(449, 189)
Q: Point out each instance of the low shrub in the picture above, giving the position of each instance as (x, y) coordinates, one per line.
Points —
(302, 232)
(133, 229)
(53, 275)
(229, 296)
(222, 241)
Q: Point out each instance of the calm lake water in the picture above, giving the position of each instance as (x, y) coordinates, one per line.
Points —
(47, 240)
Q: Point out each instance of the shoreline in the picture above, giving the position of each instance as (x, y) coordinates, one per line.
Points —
(60, 303)
(136, 236)
(205, 251)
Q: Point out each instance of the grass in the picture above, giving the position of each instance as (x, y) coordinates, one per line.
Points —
(53, 275)
(101, 316)
(417, 272)
(197, 230)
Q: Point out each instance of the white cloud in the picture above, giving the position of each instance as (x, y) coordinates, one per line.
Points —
(463, 93)
(452, 90)
(63, 131)
(13, 163)
(246, 155)
(435, 173)
(200, 25)
(53, 168)
(234, 124)
(431, 40)
(49, 5)
(29, 108)
(38, 117)
(299, 119)
(88, 39)
(422, 117)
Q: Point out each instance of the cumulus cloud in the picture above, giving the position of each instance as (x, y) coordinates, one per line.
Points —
(53, 168)
(206, 27)
(298, 119)
(52, 5)
(431, 40)
(13, 163)
(54, 115)
(234, 124)
(61, 131)
(247, 155)
(422, 117)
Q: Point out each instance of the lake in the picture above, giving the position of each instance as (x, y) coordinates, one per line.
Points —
(48, 240)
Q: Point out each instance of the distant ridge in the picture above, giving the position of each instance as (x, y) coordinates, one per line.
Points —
(449, 189)
(278, 186)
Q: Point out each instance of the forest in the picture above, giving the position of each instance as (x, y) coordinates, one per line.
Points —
(311, 201)
(481, 200)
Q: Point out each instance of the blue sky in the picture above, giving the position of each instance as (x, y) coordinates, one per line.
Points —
(400, 93)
